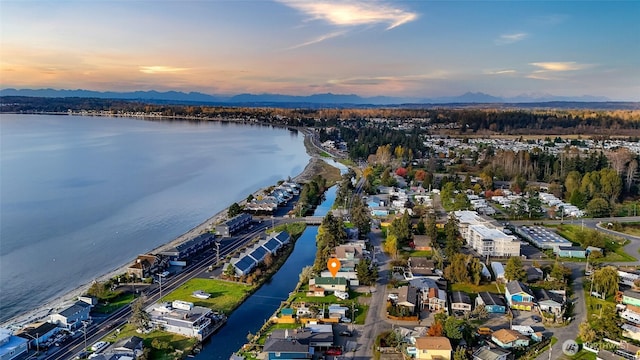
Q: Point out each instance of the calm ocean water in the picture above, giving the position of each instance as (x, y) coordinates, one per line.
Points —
(81, 196)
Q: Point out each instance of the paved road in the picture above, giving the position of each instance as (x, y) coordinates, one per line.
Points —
(570, 332)
(375, 322)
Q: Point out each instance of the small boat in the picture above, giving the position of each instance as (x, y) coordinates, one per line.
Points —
(201, 294)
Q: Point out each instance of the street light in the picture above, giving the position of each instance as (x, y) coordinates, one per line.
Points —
(37, 339)
(84, 327)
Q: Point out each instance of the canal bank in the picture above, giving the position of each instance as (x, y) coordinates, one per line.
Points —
(253, 313)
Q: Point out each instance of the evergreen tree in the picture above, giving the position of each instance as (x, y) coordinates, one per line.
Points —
(514, 270)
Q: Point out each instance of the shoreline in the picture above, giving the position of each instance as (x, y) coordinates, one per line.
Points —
(67, 298)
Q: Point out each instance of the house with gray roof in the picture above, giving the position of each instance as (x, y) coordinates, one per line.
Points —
(489, 353)
(519, 296)
(460, 301)
(493, 303)
(72, 317)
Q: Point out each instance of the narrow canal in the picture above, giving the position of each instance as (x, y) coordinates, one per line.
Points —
(249, 317)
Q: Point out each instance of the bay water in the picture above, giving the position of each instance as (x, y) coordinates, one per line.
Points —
(81, 196)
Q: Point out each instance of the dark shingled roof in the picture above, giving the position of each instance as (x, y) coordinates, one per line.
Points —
(284, 346)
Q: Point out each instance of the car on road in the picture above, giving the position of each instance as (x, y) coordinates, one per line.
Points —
(346, 333)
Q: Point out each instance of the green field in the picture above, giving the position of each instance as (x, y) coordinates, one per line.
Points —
(117, 302)
(474, 289)
(225, 295)
(173, 341)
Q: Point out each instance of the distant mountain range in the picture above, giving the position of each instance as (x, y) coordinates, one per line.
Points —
(327, 99)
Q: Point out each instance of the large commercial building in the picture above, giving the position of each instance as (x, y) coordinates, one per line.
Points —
(485, 236)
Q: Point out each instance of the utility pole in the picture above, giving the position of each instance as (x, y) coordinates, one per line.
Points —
(160, 282)
(84, 326)
(217, 244)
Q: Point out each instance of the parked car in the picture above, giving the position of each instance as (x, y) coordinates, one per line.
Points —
(393, 296)
(334, 351)
(345, 320)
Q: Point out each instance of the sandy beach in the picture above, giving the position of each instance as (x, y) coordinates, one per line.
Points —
(41, 313)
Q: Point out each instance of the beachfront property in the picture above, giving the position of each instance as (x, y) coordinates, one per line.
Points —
(72, 317)
(299, 343)
(233, 225)
(485, 236)
(183, 318)
(145, 266)
(182, 252)
(39, 335)
(11, 347)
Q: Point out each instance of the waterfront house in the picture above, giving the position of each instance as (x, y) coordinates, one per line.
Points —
(460, 301)
(38, 335)
(631, 298)
(243, 265)
(330, 283)
(233, 225)
(145, 266)
(11, 347)
(183, 318)
(507, 339)
(182, 252)
(489, 353)
(493, 303)
(72, 316)
(433, 348)
(278, 348)
(316, 291)
(519, 296)
(131, 346)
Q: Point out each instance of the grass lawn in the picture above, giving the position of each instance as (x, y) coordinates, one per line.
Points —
(117, 302)
(614, 248)
(362, 314)
(225, 295)
(421, 253)
(474, 289)
(301, 296)
(173, 340)
(582, 355)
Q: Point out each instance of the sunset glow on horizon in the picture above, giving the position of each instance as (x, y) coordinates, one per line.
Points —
(370, 48)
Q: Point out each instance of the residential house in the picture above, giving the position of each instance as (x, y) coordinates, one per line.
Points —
(432, 296)
(631, 331)
(330, 283)
(11, 347)
(533, 273)
(316, 291)
(489, 353)
(407, 297)
(507, 339)
(433, 348)
(550, 302)
(72, 316)
(493, 303)
(421, 242)
(233, 225)
(277, 348)
(460, 301)
(183, 318)
(145, 266)
(631, 298)
(40, 334)
(519, 296)
(348, 253)
(131, 346)
(187, 249)
(316, 336)
(244, 265)
(420, 266)
(437, 299)
(628, 276)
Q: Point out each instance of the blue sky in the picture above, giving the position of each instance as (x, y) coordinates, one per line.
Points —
(396, 48)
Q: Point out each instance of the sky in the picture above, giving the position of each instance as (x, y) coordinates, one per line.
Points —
(417, 49)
